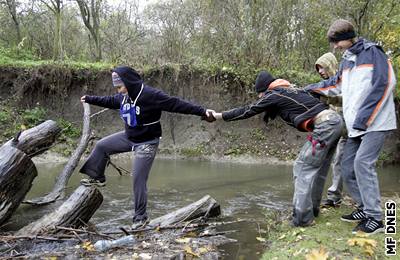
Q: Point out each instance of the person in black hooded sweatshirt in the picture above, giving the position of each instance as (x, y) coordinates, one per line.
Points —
(140, 107)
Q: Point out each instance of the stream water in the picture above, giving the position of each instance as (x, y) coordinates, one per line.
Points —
(244, 191)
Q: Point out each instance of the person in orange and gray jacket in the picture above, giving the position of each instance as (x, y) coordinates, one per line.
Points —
(327, 66)
(366, 81)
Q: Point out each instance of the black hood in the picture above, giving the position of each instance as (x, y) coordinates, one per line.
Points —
(131, 79)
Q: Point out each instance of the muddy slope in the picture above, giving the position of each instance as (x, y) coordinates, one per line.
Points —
(58, 89)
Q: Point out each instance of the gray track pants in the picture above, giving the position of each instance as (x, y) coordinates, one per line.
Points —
(144, 157)
(336, 189)
(359, 174)
(311, 168)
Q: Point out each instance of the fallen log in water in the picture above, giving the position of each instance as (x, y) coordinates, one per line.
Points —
(62, 180)
(17, 172)
(205, 207)
(36, 140)
(74, 212)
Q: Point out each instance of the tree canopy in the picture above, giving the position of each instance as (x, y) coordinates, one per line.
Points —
(288, 34)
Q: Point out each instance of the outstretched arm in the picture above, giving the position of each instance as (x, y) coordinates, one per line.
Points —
(262, 105)
(178, 105)
(330, 87)
(112, 102)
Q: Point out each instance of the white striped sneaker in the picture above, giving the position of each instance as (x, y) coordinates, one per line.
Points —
(355, 216)
(369, 226)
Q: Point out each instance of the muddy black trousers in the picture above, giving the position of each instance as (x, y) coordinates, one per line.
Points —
(144, 156)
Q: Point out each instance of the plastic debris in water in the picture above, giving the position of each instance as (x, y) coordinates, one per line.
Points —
(104, 245)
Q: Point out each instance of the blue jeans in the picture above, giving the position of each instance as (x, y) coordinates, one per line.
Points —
(311, 168)
(359, 174)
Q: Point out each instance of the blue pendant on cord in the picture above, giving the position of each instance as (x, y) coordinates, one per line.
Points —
(128, 114)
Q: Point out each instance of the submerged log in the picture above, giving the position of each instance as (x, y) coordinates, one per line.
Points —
(74, 212)
(62, 180)
(205, 207)
(17, 172)
(36, 140)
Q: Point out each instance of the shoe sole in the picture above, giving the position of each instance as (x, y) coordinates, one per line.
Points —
(379, 230)
(351, 221)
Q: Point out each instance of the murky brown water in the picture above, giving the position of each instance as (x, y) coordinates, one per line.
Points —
(244, 191)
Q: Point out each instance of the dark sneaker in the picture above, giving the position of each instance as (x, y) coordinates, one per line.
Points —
(93, 182)
(137, 224)
(355, 216)
(369, 226)
(328, 203)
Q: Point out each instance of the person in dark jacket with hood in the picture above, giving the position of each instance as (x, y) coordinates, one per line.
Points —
(298, 108)
(140, 107)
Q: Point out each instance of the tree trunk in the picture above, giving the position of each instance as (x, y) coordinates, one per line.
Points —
(74, 212)
(205, 207)
(12, 7)
(36, 140)
(57, 45)
(63, 178)
(17, 172)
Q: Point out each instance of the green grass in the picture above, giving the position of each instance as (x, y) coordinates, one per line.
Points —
(96, 66)
(329, 233)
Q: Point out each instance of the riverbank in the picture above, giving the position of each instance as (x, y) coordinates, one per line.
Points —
(54, 157)
(328, 238)
(29, 95)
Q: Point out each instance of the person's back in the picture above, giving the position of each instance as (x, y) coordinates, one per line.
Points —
(277, 97)
(294, 105)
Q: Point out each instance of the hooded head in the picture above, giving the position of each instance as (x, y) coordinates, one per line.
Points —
(131, 79)
(264, 79)
(328, 63)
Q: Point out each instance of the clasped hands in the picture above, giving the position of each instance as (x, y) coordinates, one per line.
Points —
(211, 116)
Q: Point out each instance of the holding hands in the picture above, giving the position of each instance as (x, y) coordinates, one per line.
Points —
(211, 116)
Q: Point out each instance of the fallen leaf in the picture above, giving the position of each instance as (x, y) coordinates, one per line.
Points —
(183, 240)
(369, 250)
(261, 239)
(145, 256)
(282, 237)
(51, 258)
(23, 127)
(315, 254)
(190, 251)
(203, 250)
(88, 246)
(360, 241)
(145, 244)
(298, 252)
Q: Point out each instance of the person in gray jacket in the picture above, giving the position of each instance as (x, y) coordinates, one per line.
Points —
(327, 66)
(366, 82)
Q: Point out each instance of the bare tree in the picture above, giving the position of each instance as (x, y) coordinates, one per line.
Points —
(91, 19)
(12, 8)
(55, 6)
